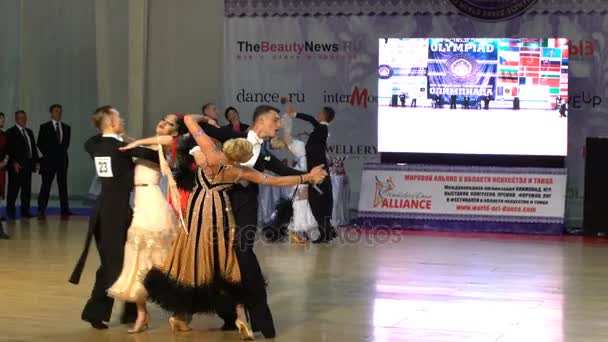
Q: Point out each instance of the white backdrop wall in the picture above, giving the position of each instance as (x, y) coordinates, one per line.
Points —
(315, 78)
(146, 57)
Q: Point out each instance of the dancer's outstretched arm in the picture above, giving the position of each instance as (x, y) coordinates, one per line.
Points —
(144, 153)
(163, 140)
(309, 118)
(316, 175)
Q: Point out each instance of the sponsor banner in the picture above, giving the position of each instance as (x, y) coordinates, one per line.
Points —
(463, 193)
(333, 61)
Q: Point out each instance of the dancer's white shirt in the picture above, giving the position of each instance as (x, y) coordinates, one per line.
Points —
(112, 135)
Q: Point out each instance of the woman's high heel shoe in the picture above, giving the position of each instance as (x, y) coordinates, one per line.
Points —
(178, 325)
(244, 330)
(140, 327)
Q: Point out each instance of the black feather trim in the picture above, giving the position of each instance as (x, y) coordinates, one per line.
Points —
(176, 297)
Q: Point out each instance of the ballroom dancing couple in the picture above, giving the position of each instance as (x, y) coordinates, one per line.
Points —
(194, 258)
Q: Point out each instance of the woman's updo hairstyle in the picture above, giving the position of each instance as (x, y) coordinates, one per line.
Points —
(237, 150)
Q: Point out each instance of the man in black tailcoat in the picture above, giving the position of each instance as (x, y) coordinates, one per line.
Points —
(111, 215)
(321, 202)
(244, 200)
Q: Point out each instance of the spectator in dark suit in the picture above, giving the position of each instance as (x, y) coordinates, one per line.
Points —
(3, 163)
(23, 160)
(53, 143)
(234, 121)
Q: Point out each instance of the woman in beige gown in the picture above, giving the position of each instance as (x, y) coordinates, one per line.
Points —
(150, 237)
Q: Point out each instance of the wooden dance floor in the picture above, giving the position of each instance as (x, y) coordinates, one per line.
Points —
(417, 287)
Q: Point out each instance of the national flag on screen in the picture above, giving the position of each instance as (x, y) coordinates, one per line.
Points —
(550, 82)
(529, 81)
(505, 60)
(531, 48)
(530, 42)
(529, 60)
(508, 48)
(551, 70)
(506, 91)
(552, 53)
(552, 66)
(555, 42)
(508, 71)
(508, 45)
(508, 79)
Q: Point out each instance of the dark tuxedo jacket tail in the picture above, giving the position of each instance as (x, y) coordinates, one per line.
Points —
(110, 219)
(54, 148)
(321, 205)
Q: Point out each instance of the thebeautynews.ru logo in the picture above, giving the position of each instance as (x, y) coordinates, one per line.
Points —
(298, 50)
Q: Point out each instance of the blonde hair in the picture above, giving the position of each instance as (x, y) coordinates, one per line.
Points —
(278, 143)
(237, 150)
(103, 116)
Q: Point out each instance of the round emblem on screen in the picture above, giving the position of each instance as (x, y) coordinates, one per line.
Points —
(385, 71)
(492, 10)
(461, 68)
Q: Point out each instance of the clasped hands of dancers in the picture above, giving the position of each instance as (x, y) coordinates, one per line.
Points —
(193, 253)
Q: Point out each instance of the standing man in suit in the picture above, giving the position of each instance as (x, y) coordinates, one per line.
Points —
(486, 102)
(244, 200)
(111, 215)
(23, 161)
(3, 164)
(234, 121)
(53, 143)
(453, 101)
(321, 203)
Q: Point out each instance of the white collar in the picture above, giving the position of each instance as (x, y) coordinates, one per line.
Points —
(55, 122)
(20, 128)
(254, 138)
(324, 123)
(112, 135)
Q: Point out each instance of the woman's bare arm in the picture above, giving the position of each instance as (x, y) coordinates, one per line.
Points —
(315, 175)
(208, 147)
(163, 140)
